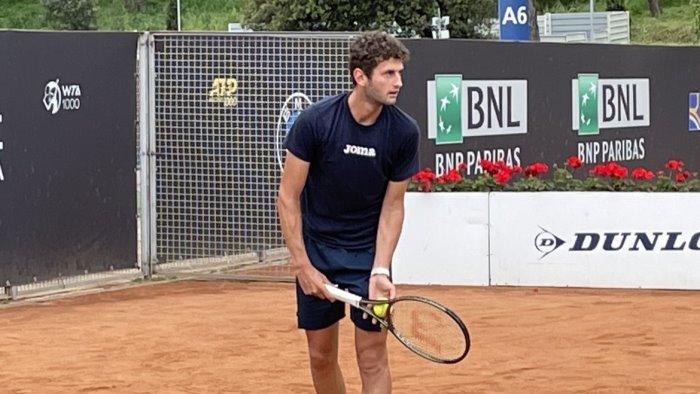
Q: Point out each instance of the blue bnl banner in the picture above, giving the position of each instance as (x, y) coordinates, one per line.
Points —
(512, 20)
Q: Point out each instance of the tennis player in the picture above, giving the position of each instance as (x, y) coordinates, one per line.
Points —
(341, 205)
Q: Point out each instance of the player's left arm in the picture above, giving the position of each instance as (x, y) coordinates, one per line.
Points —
(405, 164)
(390, 223)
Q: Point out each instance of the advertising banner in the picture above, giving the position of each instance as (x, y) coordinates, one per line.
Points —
(595, 239)
(67, 154)
(544, 102)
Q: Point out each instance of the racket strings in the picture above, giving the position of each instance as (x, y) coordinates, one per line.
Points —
(428, 329)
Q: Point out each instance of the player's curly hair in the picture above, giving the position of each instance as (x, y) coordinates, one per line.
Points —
(369, 49)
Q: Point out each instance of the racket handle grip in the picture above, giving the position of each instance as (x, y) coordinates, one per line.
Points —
(344, 296)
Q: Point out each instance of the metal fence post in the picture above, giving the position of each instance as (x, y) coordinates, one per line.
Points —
(145, 166)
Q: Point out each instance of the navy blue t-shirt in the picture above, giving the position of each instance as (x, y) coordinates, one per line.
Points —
(350, 167)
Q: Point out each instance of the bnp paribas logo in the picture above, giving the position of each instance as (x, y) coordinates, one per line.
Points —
(608, 103)
(448, 91)
(460, 108)
(588, 104)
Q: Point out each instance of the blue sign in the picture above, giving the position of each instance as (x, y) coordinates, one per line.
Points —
(512, 20)
(694, 111)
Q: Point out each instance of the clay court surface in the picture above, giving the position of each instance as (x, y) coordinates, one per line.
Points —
(231, 337)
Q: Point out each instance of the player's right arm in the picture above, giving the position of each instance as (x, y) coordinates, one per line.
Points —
(296, 170)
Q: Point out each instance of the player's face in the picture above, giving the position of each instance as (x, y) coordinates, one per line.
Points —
(385, 82)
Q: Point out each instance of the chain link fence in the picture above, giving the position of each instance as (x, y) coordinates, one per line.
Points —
(222, 105)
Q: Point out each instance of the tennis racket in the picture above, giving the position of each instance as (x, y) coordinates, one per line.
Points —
(422, 325)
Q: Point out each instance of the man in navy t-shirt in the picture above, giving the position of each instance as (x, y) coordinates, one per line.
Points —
(341, 205)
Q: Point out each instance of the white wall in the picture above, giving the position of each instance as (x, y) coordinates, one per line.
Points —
(444, 240)
(508, 238)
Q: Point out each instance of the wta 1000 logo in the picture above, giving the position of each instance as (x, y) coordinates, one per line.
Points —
(61, 97)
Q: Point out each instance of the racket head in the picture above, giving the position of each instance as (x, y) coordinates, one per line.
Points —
(428, 328)
(424, 326)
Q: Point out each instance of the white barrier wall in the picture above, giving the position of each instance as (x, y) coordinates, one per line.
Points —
(444, 240)
(595, 239)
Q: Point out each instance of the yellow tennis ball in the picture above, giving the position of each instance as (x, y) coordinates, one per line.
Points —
(380, 309)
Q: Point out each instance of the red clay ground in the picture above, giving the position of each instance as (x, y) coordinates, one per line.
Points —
(228, 337)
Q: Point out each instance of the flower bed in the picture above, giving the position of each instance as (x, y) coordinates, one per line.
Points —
(499, 176)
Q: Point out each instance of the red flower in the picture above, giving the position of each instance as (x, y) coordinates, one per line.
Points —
(536, 169)
(424, 178)
(462, 166)
(641, 174)
(682, 176)
(451, 176)
(611, 169)
(619, 172)
(490, 167)
(599, 169)
(502, 176)
(675, 165)
(494, 167)
(424, 175)
(574, 162)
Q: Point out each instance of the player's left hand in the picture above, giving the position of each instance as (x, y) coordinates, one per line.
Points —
(380, 287)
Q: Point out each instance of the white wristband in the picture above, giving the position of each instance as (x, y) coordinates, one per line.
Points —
(380, 271)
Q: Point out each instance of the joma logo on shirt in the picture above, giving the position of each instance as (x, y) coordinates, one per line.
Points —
(359, 150)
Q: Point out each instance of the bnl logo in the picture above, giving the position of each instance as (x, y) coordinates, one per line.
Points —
(460, 108)
(694, 111)
(608, 103)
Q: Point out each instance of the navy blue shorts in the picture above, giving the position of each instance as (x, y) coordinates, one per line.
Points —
(350, 270)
